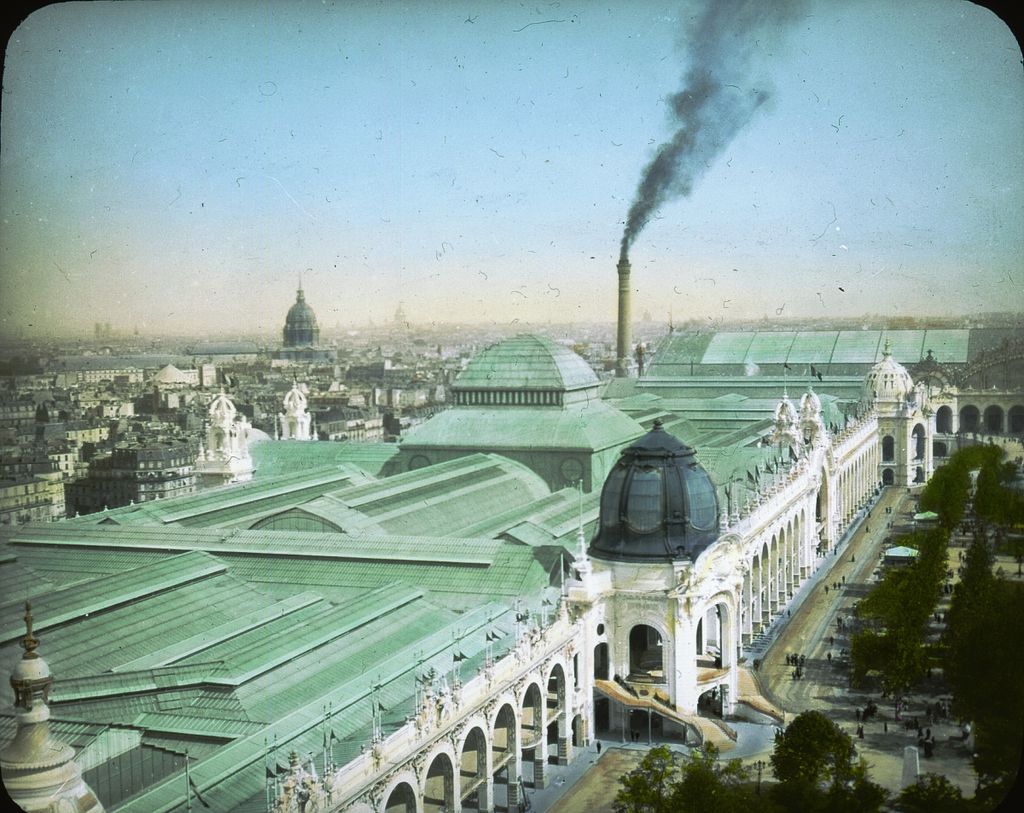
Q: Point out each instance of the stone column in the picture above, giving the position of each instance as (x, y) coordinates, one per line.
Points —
(513, 791)
(564, 747)
(485, 795)
(540, 766)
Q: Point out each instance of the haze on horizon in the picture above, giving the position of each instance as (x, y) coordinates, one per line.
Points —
(178, 165)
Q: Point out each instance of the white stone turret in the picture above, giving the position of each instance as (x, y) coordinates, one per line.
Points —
(226, 459)
(786, 428)
(39, 771)
(812, 426)
(295, 421)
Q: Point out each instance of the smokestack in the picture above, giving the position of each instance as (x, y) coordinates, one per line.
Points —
(624, 338)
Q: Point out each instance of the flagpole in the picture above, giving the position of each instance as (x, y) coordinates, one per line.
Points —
(188, 785)
(266, 773)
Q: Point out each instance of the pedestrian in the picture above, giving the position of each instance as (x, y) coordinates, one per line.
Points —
(826, 589)
(829, 657)
(853, 558)
(598, 746)
(844, 579)
(857, 711)
(885, 728)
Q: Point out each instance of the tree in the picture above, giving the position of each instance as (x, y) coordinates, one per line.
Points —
(931, 794)
(707, 784)
(813, 749)
(814, 763)
(700, 781)
(648, 787)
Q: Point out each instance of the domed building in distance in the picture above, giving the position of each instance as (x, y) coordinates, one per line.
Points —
(301, 336)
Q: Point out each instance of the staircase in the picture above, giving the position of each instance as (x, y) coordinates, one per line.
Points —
(708, 729)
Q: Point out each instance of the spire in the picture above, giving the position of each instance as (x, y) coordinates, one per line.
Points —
(29, 643)
(887, 349)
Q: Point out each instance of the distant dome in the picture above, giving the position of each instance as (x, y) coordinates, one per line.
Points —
(527, 362)
(171, 375)
(658, 503)
(300, 326)
(888, 380)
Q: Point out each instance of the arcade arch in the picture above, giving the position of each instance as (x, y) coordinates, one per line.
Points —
(1015, 419)
(970, 418)
(919, 436)
(994, 419)
(402, 799)
(439, 785)
(473, 769)
(944, 420)
(646, 655)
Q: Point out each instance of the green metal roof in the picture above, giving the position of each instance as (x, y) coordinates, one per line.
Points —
(108, 592)
(527, 362)
(232, 504)
(274, 458)
(589, 426)
(212, 635)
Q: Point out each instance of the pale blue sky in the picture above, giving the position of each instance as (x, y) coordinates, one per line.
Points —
(176, 165)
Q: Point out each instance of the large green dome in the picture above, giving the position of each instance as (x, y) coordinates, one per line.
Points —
(527, 362)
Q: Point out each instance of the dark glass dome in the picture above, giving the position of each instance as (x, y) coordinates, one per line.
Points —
(657, 504)
(300, 326)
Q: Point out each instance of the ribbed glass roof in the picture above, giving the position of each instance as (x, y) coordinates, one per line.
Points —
(727, 348)
(857, 347)
(527, 362)
(947, 345)
(770, 347)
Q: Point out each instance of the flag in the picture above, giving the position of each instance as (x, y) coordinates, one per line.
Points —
(819, 376)
(195, 790)
(271, 774)
(381, 708)
(751, 479)
(792, 453)
(786, 366)
(523, 616)
(814, 372)
(493, 636)
(458, 656)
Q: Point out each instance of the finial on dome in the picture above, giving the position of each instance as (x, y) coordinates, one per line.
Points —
(29, 643)
(657, 425)
(887, 349)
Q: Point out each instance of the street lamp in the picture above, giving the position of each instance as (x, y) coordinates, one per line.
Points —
(760, 765)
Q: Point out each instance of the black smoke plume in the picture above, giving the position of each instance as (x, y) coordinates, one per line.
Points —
(721, 91)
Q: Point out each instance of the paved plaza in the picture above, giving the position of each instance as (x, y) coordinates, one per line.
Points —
(811, 630)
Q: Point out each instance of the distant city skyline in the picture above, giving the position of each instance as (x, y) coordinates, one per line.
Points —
(176, 166)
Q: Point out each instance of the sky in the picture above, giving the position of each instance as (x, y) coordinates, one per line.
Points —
(177, 166)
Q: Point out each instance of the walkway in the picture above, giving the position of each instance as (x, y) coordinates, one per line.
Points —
(813, 632)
